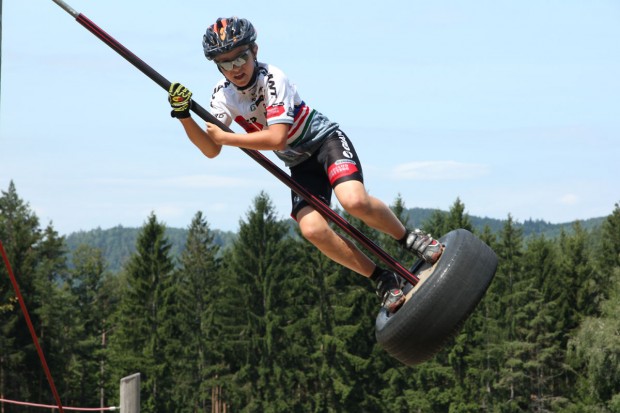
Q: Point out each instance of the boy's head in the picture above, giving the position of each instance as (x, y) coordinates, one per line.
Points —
(230, 43)
(226, 34)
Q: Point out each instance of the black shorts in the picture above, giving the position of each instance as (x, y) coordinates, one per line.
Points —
(333, 163)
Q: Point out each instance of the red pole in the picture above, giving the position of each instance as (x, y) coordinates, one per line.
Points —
(22, 304)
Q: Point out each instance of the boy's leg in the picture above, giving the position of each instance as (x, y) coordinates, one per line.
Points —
(374, 213)
(354, 198)
(315, 228)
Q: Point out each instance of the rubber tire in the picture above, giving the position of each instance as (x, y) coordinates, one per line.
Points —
(438, 309)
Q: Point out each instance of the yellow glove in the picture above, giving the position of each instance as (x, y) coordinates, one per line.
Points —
(180, 99)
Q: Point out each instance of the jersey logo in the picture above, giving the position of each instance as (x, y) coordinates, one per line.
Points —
(275, 110)
(341, 169)
(258, 101)
(271, 84)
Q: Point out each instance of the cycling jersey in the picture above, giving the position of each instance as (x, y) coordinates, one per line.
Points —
(269, 99)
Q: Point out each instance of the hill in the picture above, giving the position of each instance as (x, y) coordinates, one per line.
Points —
(118, 243)
(529, 227)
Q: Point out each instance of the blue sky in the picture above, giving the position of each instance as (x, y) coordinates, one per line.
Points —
(512, 106)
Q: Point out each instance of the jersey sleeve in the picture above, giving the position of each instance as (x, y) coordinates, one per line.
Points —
(280, 98)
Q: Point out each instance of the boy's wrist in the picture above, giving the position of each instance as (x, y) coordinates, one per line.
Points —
(180, 114)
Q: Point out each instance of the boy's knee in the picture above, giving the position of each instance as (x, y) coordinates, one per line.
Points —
(358, 206)
(314, 231)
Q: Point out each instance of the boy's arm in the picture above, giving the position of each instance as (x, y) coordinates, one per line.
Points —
(200, 138)
(180, 99)
(271, 138)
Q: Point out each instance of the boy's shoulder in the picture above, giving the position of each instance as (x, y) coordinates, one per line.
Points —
(221, 85)
(269, 68)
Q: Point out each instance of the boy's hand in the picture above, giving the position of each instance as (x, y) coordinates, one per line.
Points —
(180, 100)
(215, 133)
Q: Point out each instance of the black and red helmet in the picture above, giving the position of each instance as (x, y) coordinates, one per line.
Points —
(226, 34)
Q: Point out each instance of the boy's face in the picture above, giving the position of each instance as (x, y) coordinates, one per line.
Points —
(237, 65)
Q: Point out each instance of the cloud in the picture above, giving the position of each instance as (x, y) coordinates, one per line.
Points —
(439, 171)
(569, 199)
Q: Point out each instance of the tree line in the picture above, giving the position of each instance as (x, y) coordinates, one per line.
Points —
(271, 325)
(118, 243)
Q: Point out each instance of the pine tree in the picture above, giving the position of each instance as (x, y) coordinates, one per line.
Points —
(503, 307)
(437, 224)
(312, 331)
(259, 266)
(372, 385)
(608, 255)
(594, 348)
(467, 353)
(577, 292)
(87, 366)
(201, 363)
(33, 259)
(544, 362)
(55, 309)
(457, 218)
(474, 355)
(139, 340)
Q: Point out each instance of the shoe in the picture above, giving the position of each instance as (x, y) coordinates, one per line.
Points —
(388, 290)
(423, 245)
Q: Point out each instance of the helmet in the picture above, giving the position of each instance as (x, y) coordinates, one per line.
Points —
(226, 34)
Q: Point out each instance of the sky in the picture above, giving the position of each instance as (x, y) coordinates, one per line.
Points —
(511, 106)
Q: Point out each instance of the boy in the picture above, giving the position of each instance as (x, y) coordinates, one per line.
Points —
(262, 100)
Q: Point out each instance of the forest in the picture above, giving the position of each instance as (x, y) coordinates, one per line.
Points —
(271, 325)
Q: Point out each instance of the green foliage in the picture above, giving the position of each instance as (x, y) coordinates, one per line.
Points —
(198, 363)
(118, 243)
(141, 327)
(596, 346)
(264, 322)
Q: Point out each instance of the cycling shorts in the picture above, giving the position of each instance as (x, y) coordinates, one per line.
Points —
(333, 163)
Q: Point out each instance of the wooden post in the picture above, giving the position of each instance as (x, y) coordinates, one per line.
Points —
(130, 394)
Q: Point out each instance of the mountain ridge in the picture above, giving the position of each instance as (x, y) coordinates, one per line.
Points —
(118, 243)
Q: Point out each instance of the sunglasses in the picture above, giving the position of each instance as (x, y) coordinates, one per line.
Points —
(237, 61)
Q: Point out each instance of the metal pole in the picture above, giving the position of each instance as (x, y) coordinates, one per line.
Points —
(66, 7)
(33, 333)
(257, 156)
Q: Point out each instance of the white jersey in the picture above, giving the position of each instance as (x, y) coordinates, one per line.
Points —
(272, 99)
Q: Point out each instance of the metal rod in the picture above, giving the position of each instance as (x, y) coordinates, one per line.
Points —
(33, 333)
(257, 156)
(66, 7)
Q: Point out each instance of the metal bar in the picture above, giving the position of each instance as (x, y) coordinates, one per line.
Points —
(33, 333)
(66, 7)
